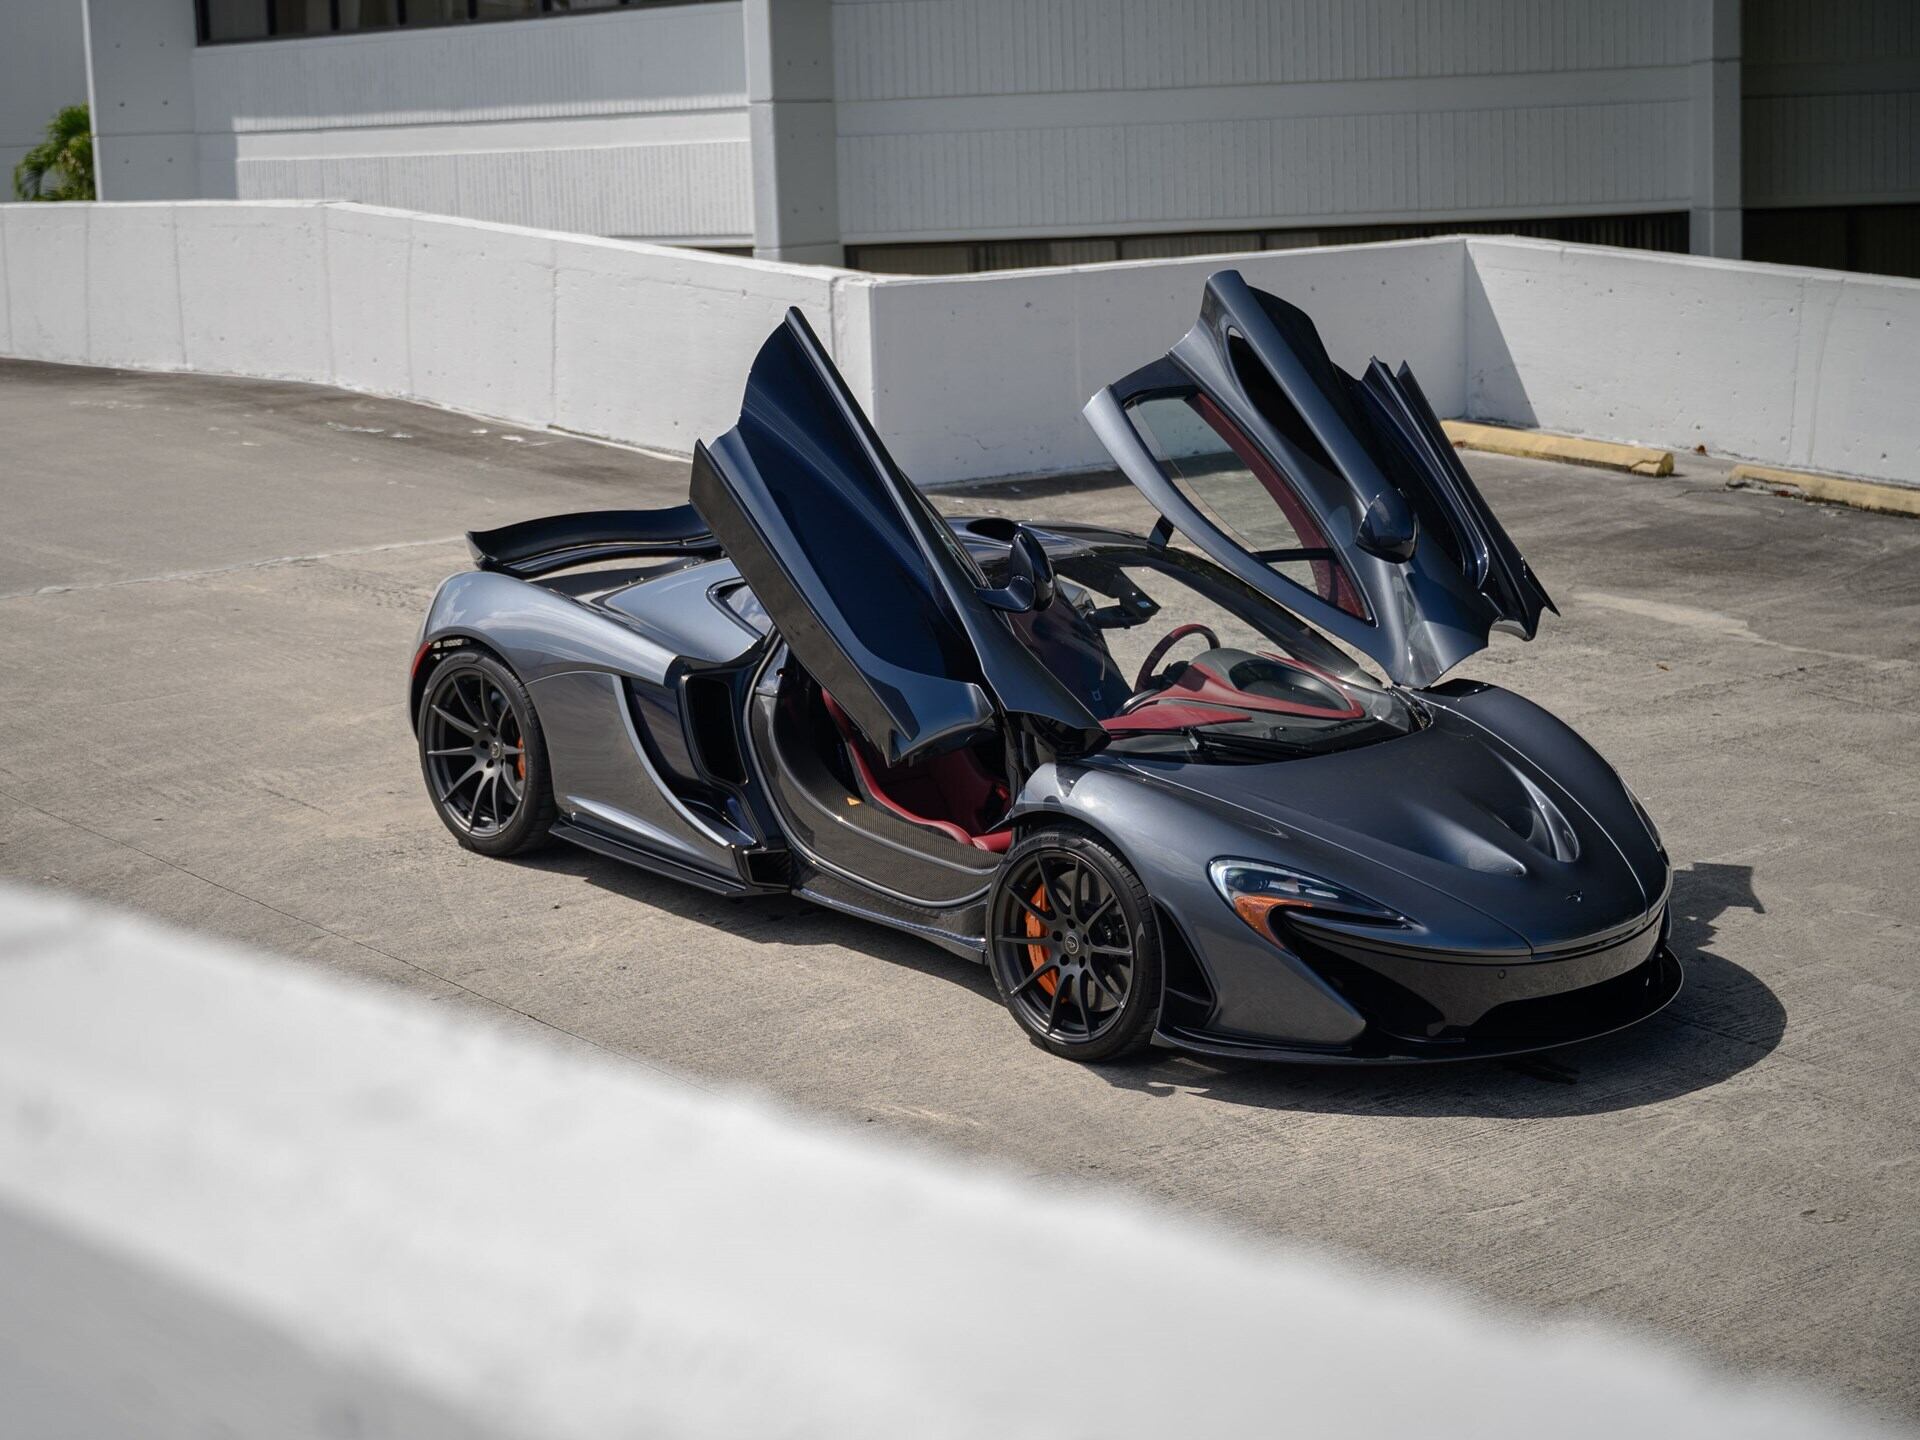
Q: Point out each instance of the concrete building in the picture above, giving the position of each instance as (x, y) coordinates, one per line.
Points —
(934, 136)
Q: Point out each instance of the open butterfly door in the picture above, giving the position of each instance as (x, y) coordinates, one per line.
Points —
(1339, 498)
(868, 585)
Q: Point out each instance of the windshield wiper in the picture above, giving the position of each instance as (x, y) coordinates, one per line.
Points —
(1202, 741)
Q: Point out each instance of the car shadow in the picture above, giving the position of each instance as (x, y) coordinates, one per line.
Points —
(1724, 1019)
(765, 919)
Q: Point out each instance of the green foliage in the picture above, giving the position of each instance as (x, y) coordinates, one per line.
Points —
(60, 167)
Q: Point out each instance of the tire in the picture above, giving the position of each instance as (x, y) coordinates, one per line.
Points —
(480, 742)
(1088, 989)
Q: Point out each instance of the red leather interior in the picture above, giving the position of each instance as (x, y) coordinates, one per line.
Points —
(1200, 683)
(1199, 695)
(1166, 714)
(954, 784)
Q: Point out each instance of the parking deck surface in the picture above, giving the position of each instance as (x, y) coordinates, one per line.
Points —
(208, 590)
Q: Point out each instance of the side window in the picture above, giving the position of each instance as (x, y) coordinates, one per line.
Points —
(1230, 482)
(745, 607)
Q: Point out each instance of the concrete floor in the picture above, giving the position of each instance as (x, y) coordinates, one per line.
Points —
(207, 593)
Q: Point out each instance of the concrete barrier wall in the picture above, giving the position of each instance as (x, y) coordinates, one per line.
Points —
(987, 374)
(241, 1197)
(1811, 369)
(967, 376)
(641, 343)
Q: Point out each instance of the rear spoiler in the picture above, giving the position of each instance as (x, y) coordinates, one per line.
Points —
(556, 542)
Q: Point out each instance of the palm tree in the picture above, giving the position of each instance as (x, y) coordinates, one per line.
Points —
(66, 152)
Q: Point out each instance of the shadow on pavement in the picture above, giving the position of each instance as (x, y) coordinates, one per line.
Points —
(781, 919)
(1724, 1019)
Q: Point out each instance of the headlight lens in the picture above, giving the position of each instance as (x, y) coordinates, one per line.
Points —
(1645, 818)
(1256, 889)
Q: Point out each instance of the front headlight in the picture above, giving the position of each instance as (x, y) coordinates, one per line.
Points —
(1255, 889)
(1645, 818)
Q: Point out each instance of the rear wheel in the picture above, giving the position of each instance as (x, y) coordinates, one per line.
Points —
(484, 757)
(1074, 949)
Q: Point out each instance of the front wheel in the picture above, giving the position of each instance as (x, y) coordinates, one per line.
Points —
(1073, 947)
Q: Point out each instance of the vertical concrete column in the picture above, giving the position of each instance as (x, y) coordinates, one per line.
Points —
(43, 69)
(140, 85)
(796, 187)
(1714, 227)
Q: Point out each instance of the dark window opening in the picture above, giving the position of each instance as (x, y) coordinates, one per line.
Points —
(1875, 239)
(1663, 230)
(230, 21)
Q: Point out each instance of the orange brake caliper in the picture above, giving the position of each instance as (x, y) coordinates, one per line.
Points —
(1037, 954)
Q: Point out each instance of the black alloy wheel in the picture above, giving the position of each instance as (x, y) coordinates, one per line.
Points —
(1073, 947)
(483, 756)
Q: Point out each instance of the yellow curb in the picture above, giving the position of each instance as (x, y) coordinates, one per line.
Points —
(1571, 449)
(1860, 494)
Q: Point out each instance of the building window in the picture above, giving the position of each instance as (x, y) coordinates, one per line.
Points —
(422, 13)
(1661, 231)
(232, 20)
(369, 14)
(224, 21)
(1880, 239)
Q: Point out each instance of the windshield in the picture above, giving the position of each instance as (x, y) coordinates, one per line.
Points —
(1175, 655)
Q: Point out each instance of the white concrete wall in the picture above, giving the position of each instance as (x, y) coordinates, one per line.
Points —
(1812, 369)
(987, 374)
(43, 69)
(629, 123)
(966, 376)
(983, 118)
(1831, 103)
(238, 1197)
(642, 343)
(970, 376)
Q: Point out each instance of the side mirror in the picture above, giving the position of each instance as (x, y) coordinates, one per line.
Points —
(1387, 531)
(1030, 584)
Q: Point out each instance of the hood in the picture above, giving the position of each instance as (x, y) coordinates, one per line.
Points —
(1456, 812)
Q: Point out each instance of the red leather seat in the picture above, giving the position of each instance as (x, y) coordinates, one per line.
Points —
(954, 784)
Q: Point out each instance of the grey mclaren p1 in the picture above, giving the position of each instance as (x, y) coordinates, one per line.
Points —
(1203, 787)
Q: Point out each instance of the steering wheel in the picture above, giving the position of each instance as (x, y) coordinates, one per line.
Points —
(1172, 638)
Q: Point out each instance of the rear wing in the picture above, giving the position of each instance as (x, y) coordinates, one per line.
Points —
(557, 542)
